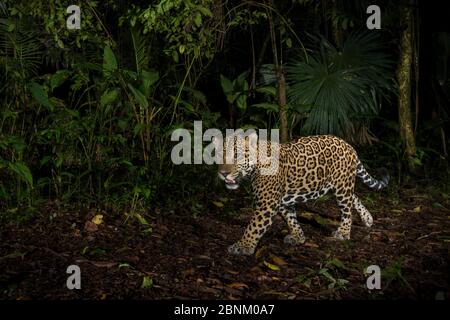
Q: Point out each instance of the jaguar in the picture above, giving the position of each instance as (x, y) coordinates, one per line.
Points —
(307, 168)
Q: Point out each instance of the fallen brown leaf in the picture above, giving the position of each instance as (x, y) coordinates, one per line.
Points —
(310, 245)
(100, 264)
(231, 271)
(237, 285)
(188, 272)
(258, 253)
(256, 269)
(89, 226)
(233, 291)
(104, 264)
(417, 209)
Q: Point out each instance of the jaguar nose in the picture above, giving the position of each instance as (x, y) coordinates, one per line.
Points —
(224, 172)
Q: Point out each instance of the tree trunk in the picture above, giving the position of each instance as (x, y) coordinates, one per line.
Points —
(284, 129)
(336, 29)
(281, 79)
(404, 97)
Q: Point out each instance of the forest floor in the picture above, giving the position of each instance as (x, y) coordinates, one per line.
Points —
(181, 255)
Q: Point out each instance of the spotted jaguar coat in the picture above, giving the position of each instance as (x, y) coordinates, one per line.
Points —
(308, 168)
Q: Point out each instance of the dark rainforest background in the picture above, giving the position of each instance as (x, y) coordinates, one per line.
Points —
(86, 118)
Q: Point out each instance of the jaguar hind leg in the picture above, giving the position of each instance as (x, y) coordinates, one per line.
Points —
(296, 235)
(345, 204)
(365, 215)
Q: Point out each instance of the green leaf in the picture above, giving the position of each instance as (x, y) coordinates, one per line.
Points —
(148, 231)
(438, 205)
(108, 97)
(148, 78)
(16, 142)
(22, 171)
(175, 56)
(40, 95)
(205, 11)
(141, 219)
(139, 96)
(58, 78)
(232, 97)
(109, 61)
(271, 266)
(60, 43)
(336, 262)
(342, 282)
(241, 82)
(11, 24)
(138, 128)
(241, 102)
(218, 204)
(326, 274)
(289, 42)
(13, 255)
(97, 252)
(198, 20)
(226, 84)
(267, 106)
(200, 96)
(147, 282)
(45, 160)
(272, 91)
(189, 106)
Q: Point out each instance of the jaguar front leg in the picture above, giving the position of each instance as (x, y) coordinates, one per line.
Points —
(255, 230)
(296, 235)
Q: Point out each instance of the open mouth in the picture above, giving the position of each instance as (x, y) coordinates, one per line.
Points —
(231, 184)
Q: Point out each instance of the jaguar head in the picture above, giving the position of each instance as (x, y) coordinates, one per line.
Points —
(239, 158)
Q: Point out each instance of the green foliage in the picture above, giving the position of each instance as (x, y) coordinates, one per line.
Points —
(330, 272)
(236, 91)
(244, 17)
(14, 172)
(184, 25)
(86, 115)
(394, 273)
(336, 89)
(22, 172)
(106, 140)
(109, 62)
(147, 282)
(40, 95)
(20, 51)
(51, 17)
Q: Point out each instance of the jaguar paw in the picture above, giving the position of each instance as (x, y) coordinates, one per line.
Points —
(294, 239)
(239, 249)
(340, 236)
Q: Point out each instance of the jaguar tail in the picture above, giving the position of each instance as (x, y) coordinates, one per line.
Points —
(369, 180)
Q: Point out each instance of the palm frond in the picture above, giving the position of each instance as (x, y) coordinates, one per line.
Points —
(20, 49)
(140, 46)
(267, 75)
(340, 86)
